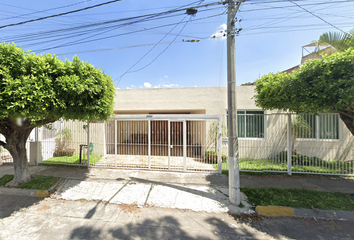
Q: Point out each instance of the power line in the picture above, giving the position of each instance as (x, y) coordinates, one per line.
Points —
(123, 34)
(60, 14)
(120, 77)
(162, 51)
(137, 19)
(128, 71)
(283, 7)
(118, 48)
(46, 10)
(317, 16)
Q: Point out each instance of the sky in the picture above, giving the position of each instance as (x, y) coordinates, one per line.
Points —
(155, 44)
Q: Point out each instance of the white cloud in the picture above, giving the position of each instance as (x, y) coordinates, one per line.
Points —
(166, 76)
(132, 86)
(220, 32)
(148, 85)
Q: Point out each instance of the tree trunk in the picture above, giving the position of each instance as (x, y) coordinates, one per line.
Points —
(16, 145)
(348, 119)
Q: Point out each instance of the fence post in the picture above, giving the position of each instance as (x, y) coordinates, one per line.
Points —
(184, 145)
(115, 142)
(88, 144)
(289, 143)
(219, 154)
(149, 144)
(104, 139)
(37, 146)
(169, 143)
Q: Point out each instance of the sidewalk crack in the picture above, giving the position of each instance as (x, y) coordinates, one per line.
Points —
(148, 195)
(119, 190)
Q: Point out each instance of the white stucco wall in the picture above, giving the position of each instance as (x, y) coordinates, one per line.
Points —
(194, 100)
(213, 100)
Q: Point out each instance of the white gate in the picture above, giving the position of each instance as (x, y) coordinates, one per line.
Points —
(165, 142)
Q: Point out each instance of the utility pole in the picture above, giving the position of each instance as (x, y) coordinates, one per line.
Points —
(234, 174)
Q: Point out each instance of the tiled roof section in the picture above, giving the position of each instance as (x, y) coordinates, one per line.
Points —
(290, 70)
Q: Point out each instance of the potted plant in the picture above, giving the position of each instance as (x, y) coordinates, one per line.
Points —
(212, 156)
(62, 141)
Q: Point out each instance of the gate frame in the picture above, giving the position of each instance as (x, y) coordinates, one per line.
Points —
(174, 117)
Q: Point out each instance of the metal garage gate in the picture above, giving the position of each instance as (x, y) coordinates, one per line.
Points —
(185, 142)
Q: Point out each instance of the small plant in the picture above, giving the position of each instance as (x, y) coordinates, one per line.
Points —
(63, 139)
(212, 156)
(213, 132)
(299, 128)
(5, 179)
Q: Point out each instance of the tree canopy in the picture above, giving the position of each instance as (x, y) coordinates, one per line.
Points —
(40, 89)
(321, 85)
(338, 40)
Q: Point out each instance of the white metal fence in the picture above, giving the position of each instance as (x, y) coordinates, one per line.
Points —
(267, 142)
(170, 142)
(294, 144)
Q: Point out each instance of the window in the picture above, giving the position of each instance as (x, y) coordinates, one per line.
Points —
(250, 124)
(323, 126)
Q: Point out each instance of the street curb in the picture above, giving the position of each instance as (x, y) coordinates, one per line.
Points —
(31, 192)
(275, 211)
(24, 192)
(316, 214)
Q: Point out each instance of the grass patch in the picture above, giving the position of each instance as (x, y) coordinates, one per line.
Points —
(315, 165)
(40, 183)
(5, 179)
(299, 198)
(74, 159)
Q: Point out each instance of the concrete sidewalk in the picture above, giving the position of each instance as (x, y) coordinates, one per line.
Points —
(194, 191)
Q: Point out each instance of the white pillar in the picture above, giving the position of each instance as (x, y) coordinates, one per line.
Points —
(289, 153)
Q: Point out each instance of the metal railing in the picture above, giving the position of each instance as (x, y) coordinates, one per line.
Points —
(293, 143)
(287, 143)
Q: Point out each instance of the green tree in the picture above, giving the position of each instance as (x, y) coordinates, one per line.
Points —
(338, 40)
(321, 85)
(39, 89)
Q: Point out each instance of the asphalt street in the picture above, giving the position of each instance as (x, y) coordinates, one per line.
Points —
(47, 218)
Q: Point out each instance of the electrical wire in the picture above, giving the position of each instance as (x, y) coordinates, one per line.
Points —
(60, 14)
(123, 34)
(121, 76)
(317, 16)
(36, 12)
(284, 7)
(42, 35)
(118, 48)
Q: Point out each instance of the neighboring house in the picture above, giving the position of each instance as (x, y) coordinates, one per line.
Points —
(262, 134)
(171, 101)
(180, 123)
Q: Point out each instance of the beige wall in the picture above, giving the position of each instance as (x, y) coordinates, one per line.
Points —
(194, 100)
(213, 100)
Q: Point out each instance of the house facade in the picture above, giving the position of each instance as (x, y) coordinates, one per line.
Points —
(262, 134)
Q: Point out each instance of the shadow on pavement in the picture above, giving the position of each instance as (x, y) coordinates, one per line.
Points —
(10, 204)
(166, 227)
(305, 229)
(209, 195)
